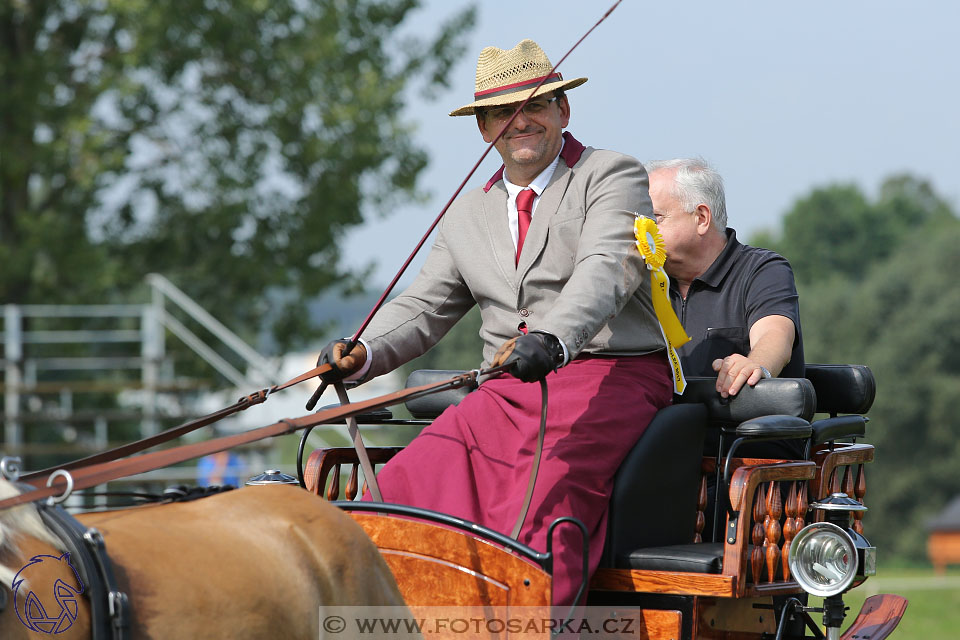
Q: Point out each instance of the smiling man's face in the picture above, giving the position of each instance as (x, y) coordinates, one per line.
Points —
(531, 142)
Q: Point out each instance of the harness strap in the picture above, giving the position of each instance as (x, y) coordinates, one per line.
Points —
(175, 432)
(109, 607)
(118, 604)
(93, 475)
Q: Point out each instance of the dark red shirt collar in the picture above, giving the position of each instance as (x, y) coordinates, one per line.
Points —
(571, 152)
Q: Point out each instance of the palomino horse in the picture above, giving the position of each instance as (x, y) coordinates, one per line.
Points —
(256, 562)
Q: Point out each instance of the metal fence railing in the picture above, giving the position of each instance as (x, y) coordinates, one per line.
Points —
(54, 353)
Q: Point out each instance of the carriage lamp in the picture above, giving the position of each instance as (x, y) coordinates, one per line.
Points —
(823, 559)
(272, 476)
(826, 557)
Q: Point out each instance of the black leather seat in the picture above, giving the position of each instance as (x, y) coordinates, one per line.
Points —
(655, 489)
(653, 508)
(706, 557)
(841, 389)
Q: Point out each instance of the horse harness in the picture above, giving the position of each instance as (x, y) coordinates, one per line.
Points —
(110, 610)
(109, 606)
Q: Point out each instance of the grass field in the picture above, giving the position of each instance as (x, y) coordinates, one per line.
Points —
(934, 609)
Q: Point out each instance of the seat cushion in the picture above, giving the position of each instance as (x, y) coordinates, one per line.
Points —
(706, 557)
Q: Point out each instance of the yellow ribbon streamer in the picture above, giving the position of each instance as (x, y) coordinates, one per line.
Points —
(660, 291)
(651, 247)
(679, 382)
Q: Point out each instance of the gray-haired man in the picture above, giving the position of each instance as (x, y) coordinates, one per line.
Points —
(738, 303)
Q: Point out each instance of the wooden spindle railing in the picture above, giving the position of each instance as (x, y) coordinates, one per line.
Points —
(859, 490)
(789, 528)
(758, 533)
(351, 491)
(771, 526)
(701, 510)
(333, 491)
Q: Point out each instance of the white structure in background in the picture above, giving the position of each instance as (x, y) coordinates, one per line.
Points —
(40, 382)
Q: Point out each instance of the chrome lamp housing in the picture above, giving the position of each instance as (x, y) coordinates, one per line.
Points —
(827, 557)
(823, 559)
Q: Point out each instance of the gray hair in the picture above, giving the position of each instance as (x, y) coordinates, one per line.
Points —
(695, 183)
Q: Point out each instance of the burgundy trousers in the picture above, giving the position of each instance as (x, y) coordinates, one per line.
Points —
(474, 461)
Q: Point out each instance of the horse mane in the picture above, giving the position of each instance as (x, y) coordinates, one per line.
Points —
(16, 523)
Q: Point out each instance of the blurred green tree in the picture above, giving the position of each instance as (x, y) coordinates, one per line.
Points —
(227, 145)
(901, 320)
(876, 287)
(836, 230)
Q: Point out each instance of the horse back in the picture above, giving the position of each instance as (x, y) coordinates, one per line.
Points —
(245, 562)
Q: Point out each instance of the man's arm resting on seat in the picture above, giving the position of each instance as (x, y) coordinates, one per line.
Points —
(771, 342)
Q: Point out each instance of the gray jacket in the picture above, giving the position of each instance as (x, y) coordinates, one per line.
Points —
(580, 275)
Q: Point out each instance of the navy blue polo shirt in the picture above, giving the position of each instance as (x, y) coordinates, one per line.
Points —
(742, 285)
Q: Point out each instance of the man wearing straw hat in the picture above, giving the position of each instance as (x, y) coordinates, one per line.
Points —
(546, 249)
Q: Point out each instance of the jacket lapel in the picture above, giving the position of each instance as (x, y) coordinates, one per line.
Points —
(498, 233)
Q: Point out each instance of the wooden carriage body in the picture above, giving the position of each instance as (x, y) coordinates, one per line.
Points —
(663, 567)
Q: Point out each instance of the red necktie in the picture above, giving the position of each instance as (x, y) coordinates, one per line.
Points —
(525, 211)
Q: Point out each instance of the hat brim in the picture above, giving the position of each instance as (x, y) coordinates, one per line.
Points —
(517, 96)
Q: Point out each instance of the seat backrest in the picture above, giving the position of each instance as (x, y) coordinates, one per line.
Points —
(785, 396)
(654, 500)
(842, 388)
(430, 406)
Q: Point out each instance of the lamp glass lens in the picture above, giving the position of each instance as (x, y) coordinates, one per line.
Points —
(823, 559)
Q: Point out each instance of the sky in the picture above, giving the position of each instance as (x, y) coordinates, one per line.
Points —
(779, 97)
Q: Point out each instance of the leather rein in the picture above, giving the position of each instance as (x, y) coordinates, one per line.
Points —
(165, 436)
(110, 465)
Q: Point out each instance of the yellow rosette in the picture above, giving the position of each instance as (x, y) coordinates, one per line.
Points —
(650, 245)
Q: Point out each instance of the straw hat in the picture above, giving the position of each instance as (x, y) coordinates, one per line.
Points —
(505, 76)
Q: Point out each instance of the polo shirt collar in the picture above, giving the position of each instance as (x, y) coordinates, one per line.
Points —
(713, 276)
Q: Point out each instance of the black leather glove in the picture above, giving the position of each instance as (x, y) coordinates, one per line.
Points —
(533, 355)
(343, 365)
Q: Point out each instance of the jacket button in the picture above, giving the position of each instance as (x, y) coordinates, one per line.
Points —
(524, 312)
